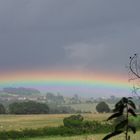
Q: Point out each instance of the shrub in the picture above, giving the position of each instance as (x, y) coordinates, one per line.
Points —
(102, 107)
(73, 121)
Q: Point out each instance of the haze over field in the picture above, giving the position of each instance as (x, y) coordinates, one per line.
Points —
(68, 46)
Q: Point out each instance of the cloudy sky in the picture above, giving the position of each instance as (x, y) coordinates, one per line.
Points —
(82, 35)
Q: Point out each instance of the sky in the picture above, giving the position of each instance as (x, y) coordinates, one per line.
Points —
(85, 36)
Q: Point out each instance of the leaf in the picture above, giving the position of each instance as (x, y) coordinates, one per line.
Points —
(118, 104)
(119, 108)
(131, 103)
(125, 100)
(121, 125)
(133, 128)
(112, 135)
(114, 115)
(132, 112)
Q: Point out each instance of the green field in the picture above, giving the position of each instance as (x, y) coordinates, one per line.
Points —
(17, 122)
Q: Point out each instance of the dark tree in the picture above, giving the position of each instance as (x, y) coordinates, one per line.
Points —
(2, 109)
(29, 107)
(102, 107)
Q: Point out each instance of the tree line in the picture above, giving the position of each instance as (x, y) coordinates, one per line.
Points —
(33, 107)
(28, 107)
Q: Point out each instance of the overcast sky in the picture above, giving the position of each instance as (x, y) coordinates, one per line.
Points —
(69, 34)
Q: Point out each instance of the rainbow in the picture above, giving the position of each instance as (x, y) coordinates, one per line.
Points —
(64, 81)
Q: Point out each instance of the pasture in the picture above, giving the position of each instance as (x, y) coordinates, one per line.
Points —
(17, 122)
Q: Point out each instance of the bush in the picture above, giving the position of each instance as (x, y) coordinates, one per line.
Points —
(78, 122)
(73, 121)
(102, 107)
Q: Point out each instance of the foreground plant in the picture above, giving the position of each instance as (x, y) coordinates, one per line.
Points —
(125, 107)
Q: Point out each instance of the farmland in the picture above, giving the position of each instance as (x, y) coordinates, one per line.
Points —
(17, 122)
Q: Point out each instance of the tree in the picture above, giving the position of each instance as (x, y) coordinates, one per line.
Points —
(123, 108)
(2, 109)
(57, 99)
(29, 107)
(75, 99)
(102, 107)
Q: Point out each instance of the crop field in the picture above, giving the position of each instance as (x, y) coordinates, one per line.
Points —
(17, 122)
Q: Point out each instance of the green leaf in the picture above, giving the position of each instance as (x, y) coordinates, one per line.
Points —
(132, 112)
(121, 125)
(112, 135)
(133, 128)
(131, 103)
(114, 115)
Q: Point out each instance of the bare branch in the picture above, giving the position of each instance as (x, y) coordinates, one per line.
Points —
(134, 70)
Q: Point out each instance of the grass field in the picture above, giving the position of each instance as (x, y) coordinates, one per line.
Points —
(17, 122)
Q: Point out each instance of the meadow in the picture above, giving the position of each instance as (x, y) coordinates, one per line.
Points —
(17, 122)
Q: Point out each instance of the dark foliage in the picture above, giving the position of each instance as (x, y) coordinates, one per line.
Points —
(102, 107)
(29, 107)
(123, 109)
(2, 109)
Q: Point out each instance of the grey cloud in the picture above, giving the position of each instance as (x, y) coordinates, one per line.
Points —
(65, 34)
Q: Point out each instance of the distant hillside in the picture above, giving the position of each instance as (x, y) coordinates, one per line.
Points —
(21, 91)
